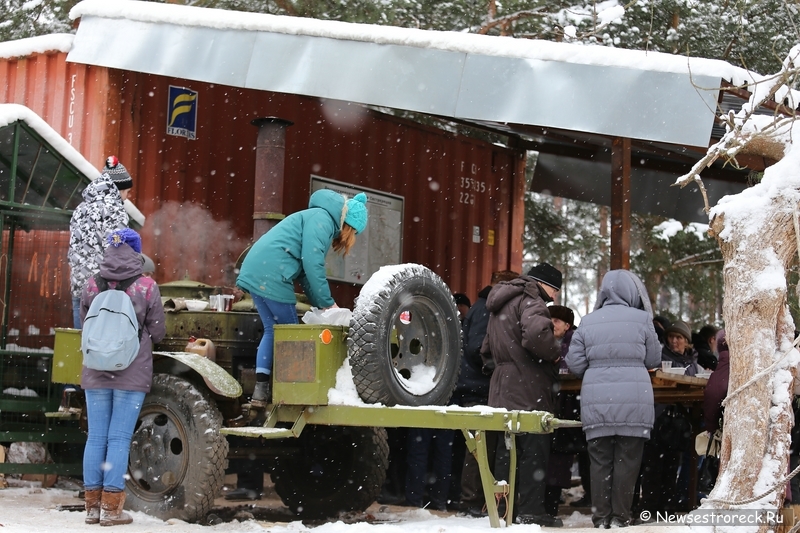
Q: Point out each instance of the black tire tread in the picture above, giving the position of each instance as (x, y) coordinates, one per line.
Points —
(206, 474)
(365, 352)
(363, 473)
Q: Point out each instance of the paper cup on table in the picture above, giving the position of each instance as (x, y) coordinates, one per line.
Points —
(666, 365)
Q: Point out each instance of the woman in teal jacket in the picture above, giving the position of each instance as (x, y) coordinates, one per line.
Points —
(295, 250)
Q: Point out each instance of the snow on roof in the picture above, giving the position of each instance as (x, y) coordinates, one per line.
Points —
(595, 89)
(56, 42)
(10, 113)
(469, 43)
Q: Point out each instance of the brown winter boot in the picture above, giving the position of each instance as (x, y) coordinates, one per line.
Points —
(111, 509)
(92, 501)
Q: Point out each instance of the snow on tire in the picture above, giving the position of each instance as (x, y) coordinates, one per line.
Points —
(404, 342)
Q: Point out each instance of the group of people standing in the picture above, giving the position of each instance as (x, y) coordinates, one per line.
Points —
(515, 341)
(524, 339)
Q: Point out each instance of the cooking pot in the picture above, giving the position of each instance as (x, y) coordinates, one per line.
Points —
(186, 288)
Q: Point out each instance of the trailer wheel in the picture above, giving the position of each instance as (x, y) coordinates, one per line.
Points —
(405, 338)
(178, 457)
(336, 469)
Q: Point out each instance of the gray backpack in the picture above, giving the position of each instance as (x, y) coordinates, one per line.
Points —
(111, 332)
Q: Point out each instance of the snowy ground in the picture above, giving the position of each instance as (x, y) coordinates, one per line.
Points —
(34, 510)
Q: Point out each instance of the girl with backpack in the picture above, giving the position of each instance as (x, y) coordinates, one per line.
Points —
(114, 398)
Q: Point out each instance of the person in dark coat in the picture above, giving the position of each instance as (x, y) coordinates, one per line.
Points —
(705, 342)
(565, 441)
(717, 387)
(671, 439)
(661, 323)
(612, 350)
(521, 342)
(473, 388)
(114, 398)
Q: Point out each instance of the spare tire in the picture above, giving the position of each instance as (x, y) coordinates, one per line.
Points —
(404, 342)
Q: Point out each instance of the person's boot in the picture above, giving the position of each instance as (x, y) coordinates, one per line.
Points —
(261, 395)
(111, 513)
(91, 499)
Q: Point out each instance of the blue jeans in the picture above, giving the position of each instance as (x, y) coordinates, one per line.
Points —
(76, 313)
(112, 417)
(271, 313)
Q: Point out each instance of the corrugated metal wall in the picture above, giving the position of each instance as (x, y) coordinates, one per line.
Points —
(198, 194)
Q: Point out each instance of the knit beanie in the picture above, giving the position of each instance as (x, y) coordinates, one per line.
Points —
(356, 216)
(126, 236)
(681, 329)
(118, 173)
(562, 313)
(547, 274)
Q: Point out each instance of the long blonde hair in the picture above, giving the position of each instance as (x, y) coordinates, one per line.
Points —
(345, 240)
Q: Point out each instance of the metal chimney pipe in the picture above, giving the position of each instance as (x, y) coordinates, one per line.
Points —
(270, 156)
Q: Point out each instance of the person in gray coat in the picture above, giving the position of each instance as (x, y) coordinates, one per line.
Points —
(612, 350)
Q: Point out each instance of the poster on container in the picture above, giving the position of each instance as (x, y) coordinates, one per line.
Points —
(182, 112)
(380, 244)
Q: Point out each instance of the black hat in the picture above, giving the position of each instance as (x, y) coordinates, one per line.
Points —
(462, 299)
(562, 313)
(118, 173)
(546, 273)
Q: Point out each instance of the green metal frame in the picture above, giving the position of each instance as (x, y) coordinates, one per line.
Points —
(472, 422)
(15, 216)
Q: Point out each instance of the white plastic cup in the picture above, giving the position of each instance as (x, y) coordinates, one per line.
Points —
(665, 365)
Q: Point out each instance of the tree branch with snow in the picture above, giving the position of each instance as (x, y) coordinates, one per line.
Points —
(756, 233)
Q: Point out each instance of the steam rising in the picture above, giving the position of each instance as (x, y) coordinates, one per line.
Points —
(185, 240)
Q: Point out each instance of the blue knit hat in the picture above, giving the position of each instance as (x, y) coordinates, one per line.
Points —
(126, 236)
(357, 212)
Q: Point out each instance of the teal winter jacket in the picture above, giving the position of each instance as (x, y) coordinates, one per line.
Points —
(295, 250)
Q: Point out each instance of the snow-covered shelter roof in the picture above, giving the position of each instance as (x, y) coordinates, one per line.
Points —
(49, 174)
(640, 95)
(565, 101)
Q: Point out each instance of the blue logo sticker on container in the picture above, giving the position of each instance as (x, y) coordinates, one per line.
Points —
(182, 112)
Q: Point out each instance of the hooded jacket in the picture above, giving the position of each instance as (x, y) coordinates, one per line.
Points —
(100, 213)
(521, 341)
(295, 250)
(611, 350)
(120, 263)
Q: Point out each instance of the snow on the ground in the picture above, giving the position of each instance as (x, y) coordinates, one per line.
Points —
(35, 510)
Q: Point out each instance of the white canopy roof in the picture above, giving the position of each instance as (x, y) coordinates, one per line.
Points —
(640, 95)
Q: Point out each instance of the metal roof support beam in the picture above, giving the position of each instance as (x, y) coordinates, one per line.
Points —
(620, 203)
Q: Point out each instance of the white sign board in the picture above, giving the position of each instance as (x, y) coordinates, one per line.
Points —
(380, 244)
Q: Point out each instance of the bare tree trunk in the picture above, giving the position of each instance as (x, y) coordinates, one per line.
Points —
(760, 330)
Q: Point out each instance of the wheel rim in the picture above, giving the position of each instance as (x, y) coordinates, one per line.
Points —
(417, 344)
(159, 455)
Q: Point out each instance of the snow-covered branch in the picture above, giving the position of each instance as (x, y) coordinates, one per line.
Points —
(748, 133)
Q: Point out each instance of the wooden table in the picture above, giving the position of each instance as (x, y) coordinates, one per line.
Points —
(667, 389)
